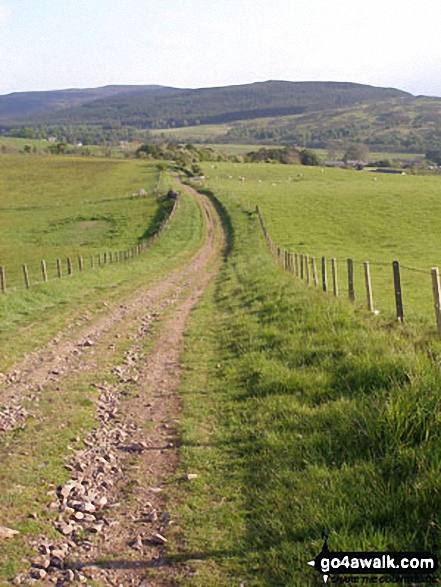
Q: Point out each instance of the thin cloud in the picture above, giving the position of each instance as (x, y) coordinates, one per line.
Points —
(3, 14)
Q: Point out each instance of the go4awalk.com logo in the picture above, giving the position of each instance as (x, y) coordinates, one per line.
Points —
(410, 564)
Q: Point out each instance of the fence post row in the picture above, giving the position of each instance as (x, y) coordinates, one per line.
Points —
(113, 257)
(299, 264)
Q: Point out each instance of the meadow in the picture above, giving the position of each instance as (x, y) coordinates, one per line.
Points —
(345, 214)
(53, 207)
(302, 414)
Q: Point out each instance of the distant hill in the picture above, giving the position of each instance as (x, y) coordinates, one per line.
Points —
(28, 105)
(315, 114)
(162, 107)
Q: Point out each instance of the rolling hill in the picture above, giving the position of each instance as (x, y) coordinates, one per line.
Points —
(314, 114)
(27, 105)
(170, 107)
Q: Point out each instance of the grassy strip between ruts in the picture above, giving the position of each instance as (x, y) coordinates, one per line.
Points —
(301, 415)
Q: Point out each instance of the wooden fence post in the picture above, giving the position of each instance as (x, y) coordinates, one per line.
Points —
(44, 270)
(334, 277)
(110, 257)
(324, 275)
(80, 262)
(314, 272)
(351, 290)
(308, 273)
(92, 262)
(367, 279)
(99, 258)
(436, 297)
(296, 258)
(3, 279)
(59, 269)
(26, 276)
(398, 292)
(69, 266)
(301, 266)
(105, 258)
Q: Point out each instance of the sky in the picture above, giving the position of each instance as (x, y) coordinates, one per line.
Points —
(55, 44)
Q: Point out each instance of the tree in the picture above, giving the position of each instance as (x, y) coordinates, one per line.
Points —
(196, 169)
(308, 157)
(358, 152)
(434, 156)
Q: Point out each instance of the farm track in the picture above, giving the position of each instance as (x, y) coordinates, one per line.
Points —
(118, 481)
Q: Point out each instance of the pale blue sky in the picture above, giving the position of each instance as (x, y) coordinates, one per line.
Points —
(53, 44)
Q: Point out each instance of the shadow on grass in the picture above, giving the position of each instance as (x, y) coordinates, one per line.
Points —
(225, 218)
(163, 211)
(162, 561)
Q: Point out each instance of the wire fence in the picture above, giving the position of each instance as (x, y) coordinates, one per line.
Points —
(78, 264)
(323, 273)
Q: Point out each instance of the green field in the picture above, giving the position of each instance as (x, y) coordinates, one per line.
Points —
(58, 207)
(302, 415)
(195, 134)
(347, 214)
(55, 207)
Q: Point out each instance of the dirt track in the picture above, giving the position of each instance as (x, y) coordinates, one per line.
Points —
(130, 534)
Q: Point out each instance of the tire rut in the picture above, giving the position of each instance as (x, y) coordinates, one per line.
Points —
(112, 519)
(72, 349)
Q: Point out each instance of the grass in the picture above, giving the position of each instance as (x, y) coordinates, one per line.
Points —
(198, 133)
(361, 215)
(30, 318)
(59, 207)
(33, 458)
(302, 414)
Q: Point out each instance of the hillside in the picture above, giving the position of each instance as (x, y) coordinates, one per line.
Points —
(167, 107)
(25, 105)
(394, 125)
(314, 114)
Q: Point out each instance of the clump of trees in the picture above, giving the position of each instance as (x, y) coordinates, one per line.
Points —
(184, 156)
(285, 155)
(87, 134)
(358, 152)
(434, 156)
